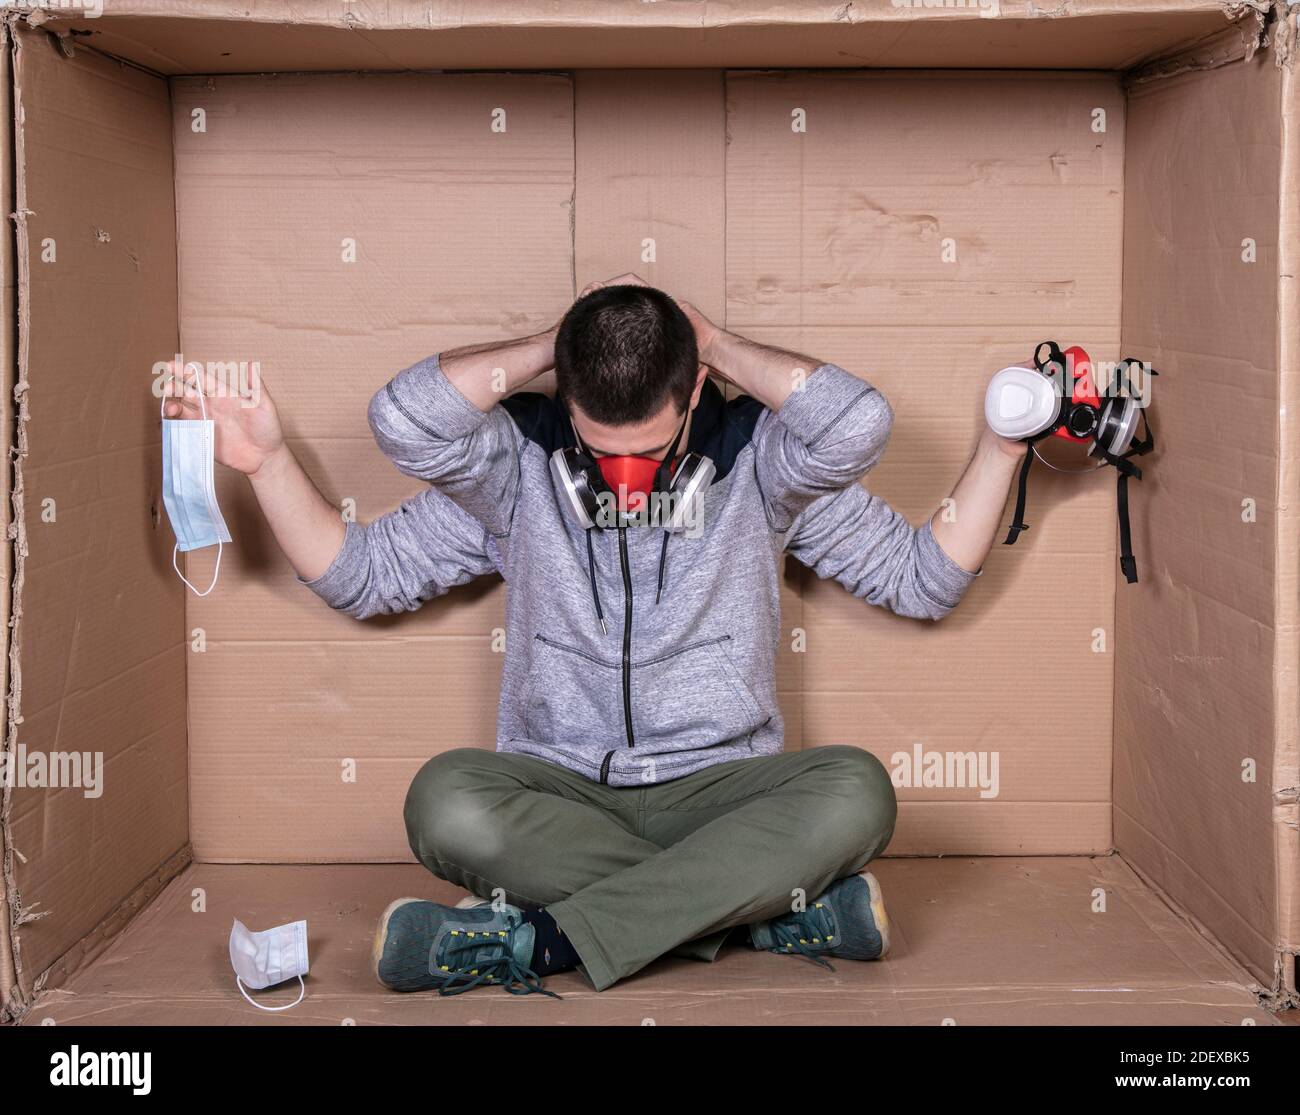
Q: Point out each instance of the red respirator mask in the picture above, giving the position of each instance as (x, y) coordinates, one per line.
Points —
(631, 479)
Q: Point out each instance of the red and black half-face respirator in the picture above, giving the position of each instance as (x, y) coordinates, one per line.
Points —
(1059, 397)
(621, 491)
(616, 492)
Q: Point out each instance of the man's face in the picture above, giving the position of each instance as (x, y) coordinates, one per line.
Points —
(650, 438)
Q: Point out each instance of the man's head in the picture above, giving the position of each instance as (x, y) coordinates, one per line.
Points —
(627, 367)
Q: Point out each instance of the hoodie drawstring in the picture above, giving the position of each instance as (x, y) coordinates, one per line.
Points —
(663, 557)
(591, 570)
(595, 592)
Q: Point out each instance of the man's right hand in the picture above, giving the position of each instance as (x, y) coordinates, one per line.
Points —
(249, 439)
(247, 427)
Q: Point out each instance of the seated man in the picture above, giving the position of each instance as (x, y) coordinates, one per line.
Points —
(638, 801)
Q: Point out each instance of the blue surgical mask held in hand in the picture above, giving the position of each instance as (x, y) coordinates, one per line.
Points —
(189, 491)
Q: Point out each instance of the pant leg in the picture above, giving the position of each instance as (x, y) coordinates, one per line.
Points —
(486, 819)
(744, 840)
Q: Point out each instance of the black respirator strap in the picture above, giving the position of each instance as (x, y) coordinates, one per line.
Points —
(1018, 523)
(1127, 562)
(1055, 357)
(587, 464)
(664, 473)
(1125, 467)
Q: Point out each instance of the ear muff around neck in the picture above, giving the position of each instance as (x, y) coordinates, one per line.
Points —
(587, 496)
(690, 482)
(573, 472)
(672, 489)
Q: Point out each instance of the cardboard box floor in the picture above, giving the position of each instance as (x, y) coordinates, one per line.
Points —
(920, 226)
(982, 941)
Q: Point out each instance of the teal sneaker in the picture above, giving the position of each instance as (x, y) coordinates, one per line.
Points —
(421, 945)
(847, 921)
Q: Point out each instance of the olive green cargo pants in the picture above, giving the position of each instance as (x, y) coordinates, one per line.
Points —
(630, 874)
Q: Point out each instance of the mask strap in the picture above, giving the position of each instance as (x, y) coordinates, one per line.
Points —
(1018, 523)
(302, 990)
(203, 409)
(665, 469)
(1127, 562)
(215, 572)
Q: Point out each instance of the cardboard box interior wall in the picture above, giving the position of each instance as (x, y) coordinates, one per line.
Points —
(1124, 177)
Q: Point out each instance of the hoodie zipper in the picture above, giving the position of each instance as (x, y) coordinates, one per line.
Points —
(627, 635)
(627, 652)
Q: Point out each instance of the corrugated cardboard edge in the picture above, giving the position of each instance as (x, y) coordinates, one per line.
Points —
(1284, 32)
(93, 944)
(425, 15)
(1257, 12)
(1286, 650)
(8, 977)
(1235, 43)
(24, 986)
(355, 36)
(15, 1001)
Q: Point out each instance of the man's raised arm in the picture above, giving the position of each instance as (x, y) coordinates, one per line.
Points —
(859, 540)
(393, 564)
(824, 427)
(440, 420)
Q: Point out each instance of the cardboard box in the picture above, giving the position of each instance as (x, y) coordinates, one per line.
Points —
(1123, 175)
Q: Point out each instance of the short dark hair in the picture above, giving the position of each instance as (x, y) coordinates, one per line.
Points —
(622, 352)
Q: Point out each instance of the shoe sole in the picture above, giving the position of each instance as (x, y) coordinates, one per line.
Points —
(381, 937)
(470, 901)
(878, 911)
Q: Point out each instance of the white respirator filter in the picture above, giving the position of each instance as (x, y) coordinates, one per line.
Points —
(1021, 402)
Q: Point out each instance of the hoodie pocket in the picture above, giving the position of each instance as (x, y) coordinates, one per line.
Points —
(691, 698)
(573, 699)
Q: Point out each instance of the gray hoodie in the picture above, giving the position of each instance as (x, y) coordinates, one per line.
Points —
(671, 686)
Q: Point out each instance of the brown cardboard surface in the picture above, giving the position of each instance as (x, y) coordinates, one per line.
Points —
(1194, 679)
(310, 760)
(221, 36)
(976, 942)
(1286, 660)
(410, 168)
(825, 240)
(834, 248)
(650, 158)
(795, 244)
(102, 669)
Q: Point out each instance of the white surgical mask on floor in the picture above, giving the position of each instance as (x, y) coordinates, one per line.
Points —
(269, 957)
(189, 487)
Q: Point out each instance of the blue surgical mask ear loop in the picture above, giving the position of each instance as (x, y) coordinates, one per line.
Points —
(302, 990)
(203, 410)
